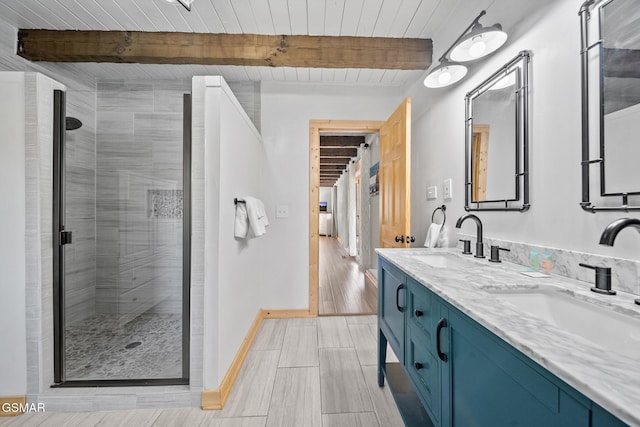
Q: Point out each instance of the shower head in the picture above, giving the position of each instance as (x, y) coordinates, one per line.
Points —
(71, 123)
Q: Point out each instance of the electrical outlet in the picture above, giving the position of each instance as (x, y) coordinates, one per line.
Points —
(432, 192)
(446, 188)
(282, 211)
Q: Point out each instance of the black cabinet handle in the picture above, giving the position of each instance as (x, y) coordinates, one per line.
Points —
(442, 323)
(418, 313)
(418, 366)
(398, 289)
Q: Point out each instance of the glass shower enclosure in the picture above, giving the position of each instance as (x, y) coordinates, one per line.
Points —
(121, 244)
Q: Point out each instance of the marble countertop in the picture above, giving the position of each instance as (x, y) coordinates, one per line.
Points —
(610, 379)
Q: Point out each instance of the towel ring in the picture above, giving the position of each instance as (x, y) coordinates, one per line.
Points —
(444, 215)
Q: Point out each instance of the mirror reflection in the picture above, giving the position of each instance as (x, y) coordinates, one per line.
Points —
(620, 68)
(493, 146)
(496, 152)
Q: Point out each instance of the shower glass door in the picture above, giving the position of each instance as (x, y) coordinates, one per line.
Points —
(122, 237)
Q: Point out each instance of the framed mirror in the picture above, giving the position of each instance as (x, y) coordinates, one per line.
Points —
(496, 140)
(610, 60)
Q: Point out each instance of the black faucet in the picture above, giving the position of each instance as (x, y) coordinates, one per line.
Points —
(479, 244)
(611, 232)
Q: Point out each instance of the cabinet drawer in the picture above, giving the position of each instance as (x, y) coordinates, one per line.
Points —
(424, 371)
(423, 310)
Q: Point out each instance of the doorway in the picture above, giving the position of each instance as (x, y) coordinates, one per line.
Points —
(121, 223)
(315, 128)
(395, 173)
(345, 243)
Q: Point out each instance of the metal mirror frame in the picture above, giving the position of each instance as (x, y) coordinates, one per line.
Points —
(521, 176)
(585, 48)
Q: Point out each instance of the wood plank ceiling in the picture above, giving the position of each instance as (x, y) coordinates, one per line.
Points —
(336, 152)
(356, 18)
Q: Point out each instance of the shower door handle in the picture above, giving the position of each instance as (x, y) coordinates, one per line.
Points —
(66, 237)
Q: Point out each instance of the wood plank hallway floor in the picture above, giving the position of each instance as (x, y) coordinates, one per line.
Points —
(299, 372)
(343, 287)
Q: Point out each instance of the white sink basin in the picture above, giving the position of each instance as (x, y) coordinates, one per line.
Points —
(442, 260)
(605, 327)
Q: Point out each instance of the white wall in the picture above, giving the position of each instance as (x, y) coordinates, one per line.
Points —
(555, 219)
(240, 278)
(286, 111)
(13, 380)
(374, 204)
(342, 209)
(226, 166)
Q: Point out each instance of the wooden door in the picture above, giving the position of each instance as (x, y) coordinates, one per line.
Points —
(395, 177)
(479, 158)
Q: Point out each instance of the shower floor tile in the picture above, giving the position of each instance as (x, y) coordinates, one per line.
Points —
(114, 347)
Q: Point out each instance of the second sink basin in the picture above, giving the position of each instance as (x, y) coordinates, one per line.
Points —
(442, 260)
(605, 327)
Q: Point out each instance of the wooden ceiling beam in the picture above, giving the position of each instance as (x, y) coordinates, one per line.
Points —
(335, 160)
(341, 141)
(332, 167)
(338, 152)
(225, 49)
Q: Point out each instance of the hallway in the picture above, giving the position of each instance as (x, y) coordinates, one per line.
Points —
(343, 287)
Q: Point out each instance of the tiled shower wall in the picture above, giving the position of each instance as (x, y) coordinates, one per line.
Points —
(139, 196)
(80, 257)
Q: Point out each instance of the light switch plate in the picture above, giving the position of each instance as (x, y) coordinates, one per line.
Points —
(432, 192)
(446, 188)
(282, 211)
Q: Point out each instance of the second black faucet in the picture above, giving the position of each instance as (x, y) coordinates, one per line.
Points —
(479, 243)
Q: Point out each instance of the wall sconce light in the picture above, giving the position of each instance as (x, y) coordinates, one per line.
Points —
(471, 45)
(445, 74)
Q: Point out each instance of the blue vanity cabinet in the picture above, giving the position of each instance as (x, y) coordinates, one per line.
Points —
(493, 384)
(463, 374)
(391, 302)
(602, 418)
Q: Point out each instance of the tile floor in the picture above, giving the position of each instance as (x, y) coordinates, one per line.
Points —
(299, 373)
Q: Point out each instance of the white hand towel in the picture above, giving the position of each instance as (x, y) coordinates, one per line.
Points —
(443, 238)
(241, 224)
(257, 215)
(432, 235)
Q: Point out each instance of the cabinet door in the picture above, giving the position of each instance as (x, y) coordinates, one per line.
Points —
(491, 385)
(391, 302)
(602, 418)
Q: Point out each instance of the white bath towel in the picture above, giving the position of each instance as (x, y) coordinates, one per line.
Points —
(257, 216)
(241, 224)
(432, 235)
